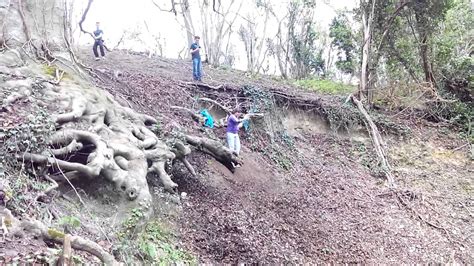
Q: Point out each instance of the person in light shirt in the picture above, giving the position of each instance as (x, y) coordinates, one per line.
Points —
(233, 126)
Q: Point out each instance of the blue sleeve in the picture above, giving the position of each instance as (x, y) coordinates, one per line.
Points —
(193, 46)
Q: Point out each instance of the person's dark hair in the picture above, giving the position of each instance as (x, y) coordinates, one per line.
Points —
(197, 37)
(236, 110)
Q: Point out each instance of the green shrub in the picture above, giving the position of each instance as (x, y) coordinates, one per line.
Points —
(325, 86)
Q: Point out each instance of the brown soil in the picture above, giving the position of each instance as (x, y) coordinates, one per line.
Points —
(320, 200)
(330, 206)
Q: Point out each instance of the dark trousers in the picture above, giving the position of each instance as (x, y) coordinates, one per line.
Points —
(100, 44)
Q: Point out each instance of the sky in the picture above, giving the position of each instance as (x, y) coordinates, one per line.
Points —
(123, 17)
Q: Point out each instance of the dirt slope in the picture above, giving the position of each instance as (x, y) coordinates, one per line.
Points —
(320, 201)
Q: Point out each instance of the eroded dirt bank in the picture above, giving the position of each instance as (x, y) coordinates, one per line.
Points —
(319, 198)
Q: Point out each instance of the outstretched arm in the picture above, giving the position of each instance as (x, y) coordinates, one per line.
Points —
(238, 120)
(246, 117)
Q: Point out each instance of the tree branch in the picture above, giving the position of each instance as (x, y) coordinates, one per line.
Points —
(173, 9)
(390, 22)
(83, 18)
(228, 110)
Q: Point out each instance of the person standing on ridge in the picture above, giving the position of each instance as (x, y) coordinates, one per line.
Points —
(197, 66)
(99, 42)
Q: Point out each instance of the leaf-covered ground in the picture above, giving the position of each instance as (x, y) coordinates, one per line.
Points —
(316, 199)
(310, 196)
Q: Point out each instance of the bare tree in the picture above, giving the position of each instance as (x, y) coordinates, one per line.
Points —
(154, 47)
(296, 49)
(279, 49)
(217, 22)
(183, 9)
(255, 48)
(215, 25)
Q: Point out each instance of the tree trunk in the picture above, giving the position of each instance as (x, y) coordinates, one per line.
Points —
(364, 89)
(23, 22)
(424, 48)
(188, 23)
(424, 51)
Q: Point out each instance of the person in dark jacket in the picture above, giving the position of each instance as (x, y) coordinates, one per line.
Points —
(197, 66)
(99, 42)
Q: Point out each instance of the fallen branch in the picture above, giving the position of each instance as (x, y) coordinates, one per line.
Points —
(228, 110)
(72, 186)
(377, 141)
(203, 86)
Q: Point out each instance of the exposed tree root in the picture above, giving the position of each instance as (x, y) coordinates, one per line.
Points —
(214, 148)
(378, 143)
(299, 99)
(181, 151)
(35, 228)
(116, 143)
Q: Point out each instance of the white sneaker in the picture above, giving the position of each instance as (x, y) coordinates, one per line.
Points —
(97, 59)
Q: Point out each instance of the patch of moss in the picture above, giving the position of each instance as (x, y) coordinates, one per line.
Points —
(55, 234)
(466, 186)
(49, 70)
(8, 222)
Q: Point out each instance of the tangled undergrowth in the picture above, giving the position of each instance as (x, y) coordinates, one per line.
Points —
(27, 130)
(149, 242)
